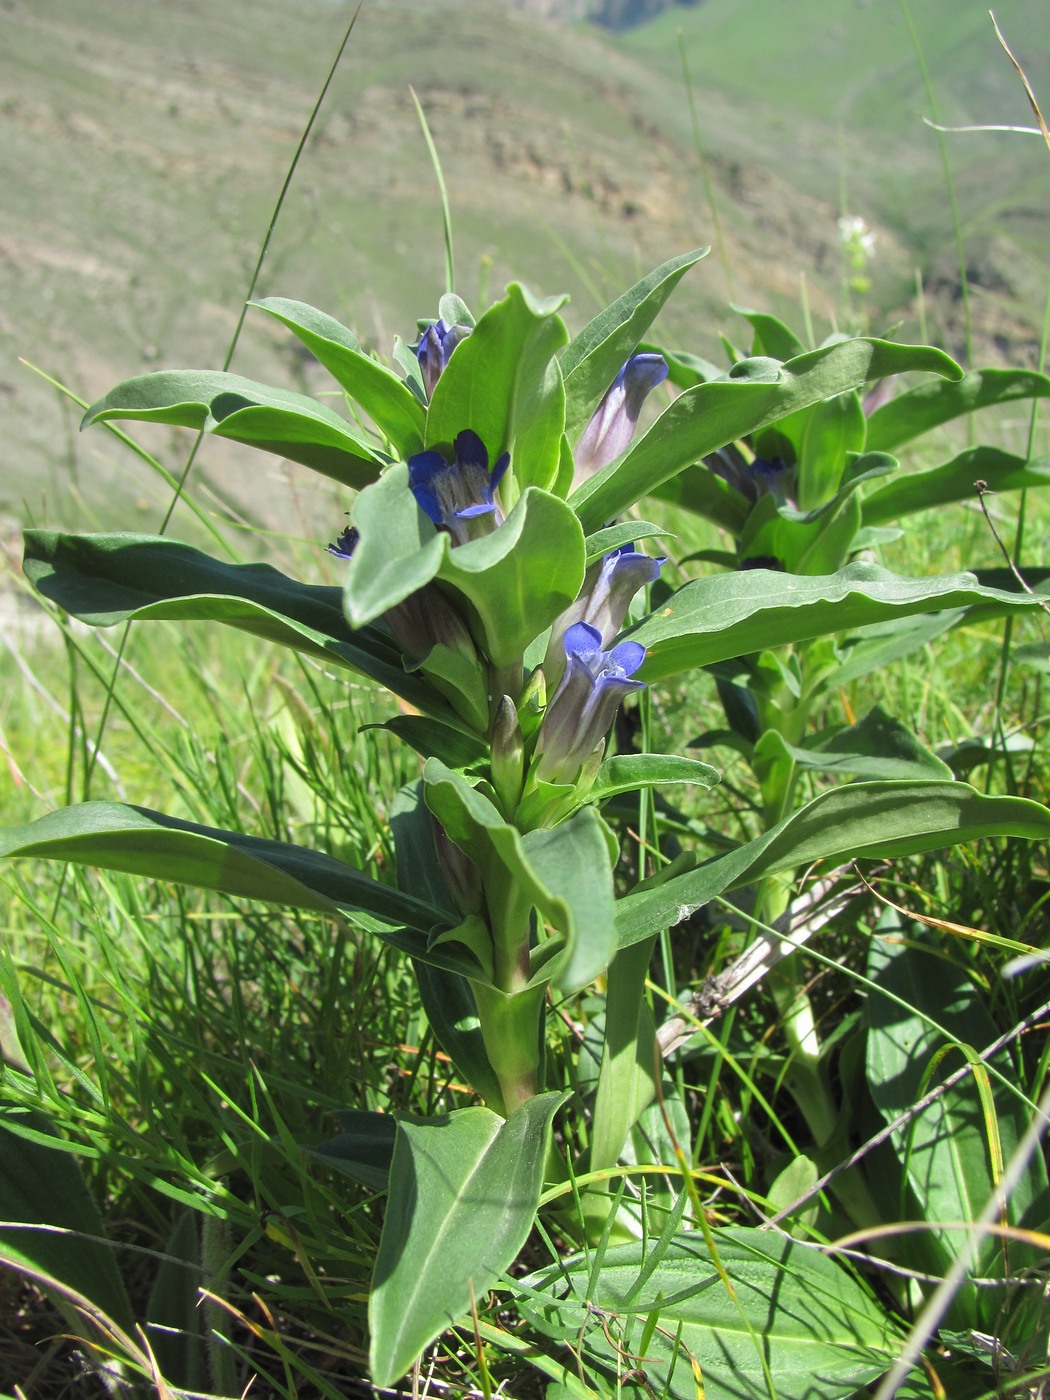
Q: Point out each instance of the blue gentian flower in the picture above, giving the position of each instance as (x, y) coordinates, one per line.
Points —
(459, 496)
(772, 477)
(608, 587)
(614, 422)
(435, 348)
(344, 546)
(583, 707)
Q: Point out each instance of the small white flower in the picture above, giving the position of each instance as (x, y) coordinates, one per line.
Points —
(856, 235)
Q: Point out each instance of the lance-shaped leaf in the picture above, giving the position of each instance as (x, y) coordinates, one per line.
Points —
(833, 431)
(929, 405)
(276, 420)
(780, 1319)
(754, 394)
(107, 579)
(564, 872)
(877, 746)
(856, 821)
(923, 1005)
(731, 615)
(593, 359)
(771, 335)
(387, 400)
(603, 542)
(113, 836)
(954, 481)
(447, 997)
(504, 383)
(463, 1195)
(873, 648)
(817, 541)
(630, 771)
(363, 1148)
(41, 1186)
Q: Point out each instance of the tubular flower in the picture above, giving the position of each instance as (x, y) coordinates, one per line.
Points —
(608, 587)
(459, 496)
(435, 348)
(611, 429)
(583, 707)
(344, 546)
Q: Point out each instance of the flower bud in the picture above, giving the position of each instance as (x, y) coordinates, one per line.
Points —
(614, 422)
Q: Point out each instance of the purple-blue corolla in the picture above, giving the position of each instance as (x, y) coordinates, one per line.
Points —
(608, 587)
(435, 348)
(614, 422)
(583, 707)
(459, 496)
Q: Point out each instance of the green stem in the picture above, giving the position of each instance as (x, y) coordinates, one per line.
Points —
(512, 1029)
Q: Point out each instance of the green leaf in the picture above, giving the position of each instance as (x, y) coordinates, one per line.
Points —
(616, 536)
(731, 615)
(878, 746)
(795, 1311)
(276, 420)
(873, 648)
(140, 842)
(523, 575)
(392, 407)
(364, 1148)
(564, 872)
(434, 739)
(463, 1195)
(176, 1328)
(834, 430)
(817, 541)
(398, 552)
(41, 1185)
(858, 821)
(454, 311)
(945, 1149)
(772, 337)
(755, 394)
(107, 579)
(595, 357)
(630, 1056)
(954, 481)
(504, 383)
(447, 997)
(631, 771)
(929, 405)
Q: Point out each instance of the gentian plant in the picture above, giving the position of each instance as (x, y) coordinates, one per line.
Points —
(499, 581)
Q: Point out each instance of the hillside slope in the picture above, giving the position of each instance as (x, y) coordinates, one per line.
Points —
(142, 146)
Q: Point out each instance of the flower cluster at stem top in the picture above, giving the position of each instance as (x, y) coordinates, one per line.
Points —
(583, 677)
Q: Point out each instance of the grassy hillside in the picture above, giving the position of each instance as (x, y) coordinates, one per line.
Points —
(831, 92)
(142, 146)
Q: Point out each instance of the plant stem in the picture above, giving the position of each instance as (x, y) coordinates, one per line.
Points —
(512, 1026)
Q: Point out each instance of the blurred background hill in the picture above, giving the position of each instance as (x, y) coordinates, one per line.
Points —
(143, 143)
